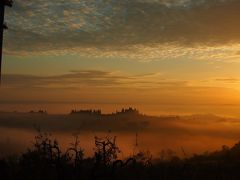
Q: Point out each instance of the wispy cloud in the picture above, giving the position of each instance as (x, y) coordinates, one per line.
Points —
(138, 29)
(228, 80)
(89, 78)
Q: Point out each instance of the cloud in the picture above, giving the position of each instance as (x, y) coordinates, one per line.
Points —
(72, 79)
(88, 78)
(228, 80)
(138, 29)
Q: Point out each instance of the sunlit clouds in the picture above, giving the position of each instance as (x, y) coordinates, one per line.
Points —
(90, 78)
(139, 29)
(173, 56)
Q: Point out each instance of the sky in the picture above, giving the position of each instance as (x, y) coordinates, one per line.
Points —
(161, 56)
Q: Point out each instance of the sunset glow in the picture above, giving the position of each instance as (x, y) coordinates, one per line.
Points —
(161, 56)
(176, 59)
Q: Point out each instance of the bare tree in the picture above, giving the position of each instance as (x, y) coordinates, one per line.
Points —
(106, 150)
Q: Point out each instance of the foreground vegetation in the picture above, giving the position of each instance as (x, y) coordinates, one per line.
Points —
(45, 160)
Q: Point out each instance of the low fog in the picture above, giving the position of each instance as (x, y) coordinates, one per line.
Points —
(194, 134)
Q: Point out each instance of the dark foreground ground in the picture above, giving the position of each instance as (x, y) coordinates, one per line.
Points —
(45, 160)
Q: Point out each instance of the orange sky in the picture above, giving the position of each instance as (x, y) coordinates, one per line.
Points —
(163, 57)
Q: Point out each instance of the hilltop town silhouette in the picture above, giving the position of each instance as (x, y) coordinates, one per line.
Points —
(127, 111)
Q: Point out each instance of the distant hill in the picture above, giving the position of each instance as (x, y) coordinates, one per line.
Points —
(125, 120)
